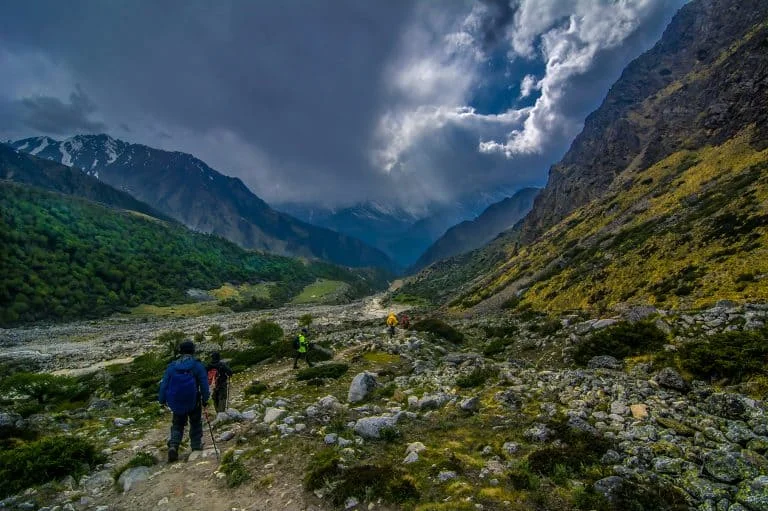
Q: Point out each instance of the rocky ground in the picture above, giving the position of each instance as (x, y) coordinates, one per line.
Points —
(466, 430)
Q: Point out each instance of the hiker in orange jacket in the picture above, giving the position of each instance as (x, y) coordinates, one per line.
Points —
(219, 374)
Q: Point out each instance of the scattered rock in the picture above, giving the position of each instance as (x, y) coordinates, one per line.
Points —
(362, 385)
(351, 503)
(370, 427)
(446, 475)
(670, 379)
(604, 362)
(754, 494)
(98, 480)
(226, 436)
(120, 422)
(412, 457)
(609, 487)
(471, 404)
(133, 476)
(639, 411)
(603, 323)
(730, 406)
(273, 414)
(415, 447)
(331, 438)
(729, 467)
(538, 433)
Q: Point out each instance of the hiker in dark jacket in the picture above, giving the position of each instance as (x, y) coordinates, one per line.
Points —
(185, 390)
(219, 374)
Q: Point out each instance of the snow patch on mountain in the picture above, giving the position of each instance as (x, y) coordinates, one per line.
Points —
(43, 144)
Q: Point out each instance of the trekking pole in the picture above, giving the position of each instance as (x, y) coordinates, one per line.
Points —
(210, 428)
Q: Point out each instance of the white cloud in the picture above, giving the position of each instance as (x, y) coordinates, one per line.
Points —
(528, 85)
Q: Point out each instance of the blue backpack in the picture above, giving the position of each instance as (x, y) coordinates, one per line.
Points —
(182, 391)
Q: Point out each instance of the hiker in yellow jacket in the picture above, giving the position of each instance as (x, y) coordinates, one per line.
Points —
(391, 323)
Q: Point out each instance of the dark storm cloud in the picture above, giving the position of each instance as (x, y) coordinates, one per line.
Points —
(331, 101)
(51, 115)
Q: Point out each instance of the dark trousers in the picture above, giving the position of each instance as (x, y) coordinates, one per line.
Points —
(195, 419)
(220, 395)
(297, 355)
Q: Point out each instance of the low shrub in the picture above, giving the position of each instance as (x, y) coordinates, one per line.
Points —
(44, 388)
(243, 359)
(46, 460)
(255, 388)
(234, 470)
(731, 356)
(476, 378)
(389, 434)
(364, 481)
(144, 373)
(171, 340)
(496, 346)
(621, 340)
(262, 333)
(141, 459)
(439, 328)
(332, 370)
(504, 331)
(547, 327)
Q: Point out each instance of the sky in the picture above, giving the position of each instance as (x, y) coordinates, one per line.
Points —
(327, 102)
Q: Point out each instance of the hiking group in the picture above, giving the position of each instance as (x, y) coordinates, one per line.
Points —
(188, 385)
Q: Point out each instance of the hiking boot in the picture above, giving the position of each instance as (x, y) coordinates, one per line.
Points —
(173, 454)
(197, 447)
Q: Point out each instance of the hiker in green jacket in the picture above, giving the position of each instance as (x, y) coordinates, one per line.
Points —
(301, 348)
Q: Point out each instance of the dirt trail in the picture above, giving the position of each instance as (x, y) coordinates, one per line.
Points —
(193, 483)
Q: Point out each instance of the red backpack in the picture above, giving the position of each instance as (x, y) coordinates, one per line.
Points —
(213, 377)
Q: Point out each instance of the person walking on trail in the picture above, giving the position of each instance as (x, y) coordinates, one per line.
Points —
(391, 323)
(219, 374)
(301, 348)
(405, 321)
(184, 389)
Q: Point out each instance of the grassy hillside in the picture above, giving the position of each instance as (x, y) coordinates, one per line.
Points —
(64, 258)
(686, 232)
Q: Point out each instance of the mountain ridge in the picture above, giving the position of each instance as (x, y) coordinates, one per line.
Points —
(185, 188)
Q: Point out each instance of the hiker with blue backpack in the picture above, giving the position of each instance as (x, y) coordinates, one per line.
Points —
(185, 390)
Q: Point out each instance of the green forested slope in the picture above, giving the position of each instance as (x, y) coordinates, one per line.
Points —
(65, 258)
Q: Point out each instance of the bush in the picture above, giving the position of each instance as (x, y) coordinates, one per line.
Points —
(364, 481)
(145, 373)
(241, 360)
(439, 328)
(262, 333)
(45, 460)
(733, 356)
(332, 370)
(171, 341)
(305, 320)
(547, 327)
(141, 459)
(621, 340)
(496, 346)
(234, 470)
(255, 388)
(44, 388)
(476, 378)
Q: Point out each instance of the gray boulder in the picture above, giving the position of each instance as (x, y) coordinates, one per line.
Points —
(432, 401)
(729, 467)
(604, 362)
(609, 487)
(754, 494)
(730, 406)
(470, 405)
(670, 379)
(370, 427)
(133, 476)
(273, 414)
(362, 385)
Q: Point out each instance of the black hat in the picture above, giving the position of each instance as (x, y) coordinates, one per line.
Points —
(187, 348)
(304, 330)
(215, 356)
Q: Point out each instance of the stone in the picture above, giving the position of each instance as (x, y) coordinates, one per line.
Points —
(100, 405)
(330, 438)
(98, 480)
(133, 476)
(729, 406)
(343, 442)
(619, 408)
(362, 385)
(603, 323)
(581, 425)
(639, 411)
(460, 358)
(537, 433)
(728, 466)
(120, 422)
(433, 401)
(511, 447)
(370, 427)
(739, 432)
(273, 414)
(604, 362)
(470, 405)
(670, 379)
(754, 494)
(9, 420)
(351, 503)
(329, 403)
(667, 465)
(226, 436)
(412, 457)
(446, 475)
(415, 447)
(609, 487)
(300, 427)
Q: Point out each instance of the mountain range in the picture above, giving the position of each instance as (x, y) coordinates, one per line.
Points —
(186, 189)
(663, 197)
(404, 234)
